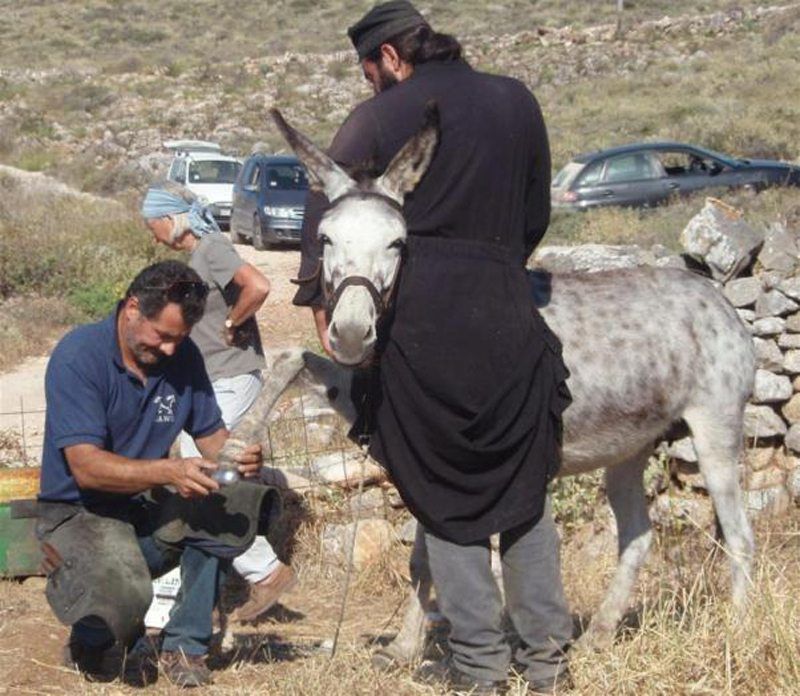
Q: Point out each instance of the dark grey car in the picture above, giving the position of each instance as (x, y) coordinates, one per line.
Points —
(647, 174)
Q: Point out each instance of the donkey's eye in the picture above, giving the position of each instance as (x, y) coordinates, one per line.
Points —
(324, 239)
(398, 243)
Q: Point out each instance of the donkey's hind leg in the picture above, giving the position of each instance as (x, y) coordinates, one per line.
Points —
(718, 442)
(626, 495)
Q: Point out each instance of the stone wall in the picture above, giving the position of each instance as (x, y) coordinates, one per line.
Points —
(759, 272)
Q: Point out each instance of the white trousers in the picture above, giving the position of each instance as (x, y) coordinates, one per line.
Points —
(235, 395)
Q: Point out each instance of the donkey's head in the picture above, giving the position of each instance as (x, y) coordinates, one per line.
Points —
(362, 233)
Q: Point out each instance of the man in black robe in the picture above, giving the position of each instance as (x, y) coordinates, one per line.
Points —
(465, 406)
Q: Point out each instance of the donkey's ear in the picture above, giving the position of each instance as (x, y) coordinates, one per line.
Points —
(323, 173)
(410, 164)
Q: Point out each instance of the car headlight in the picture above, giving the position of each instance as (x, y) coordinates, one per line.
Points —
(276, 211)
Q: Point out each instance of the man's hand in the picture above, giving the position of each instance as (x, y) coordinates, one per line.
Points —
(190, 478)
(250, 461)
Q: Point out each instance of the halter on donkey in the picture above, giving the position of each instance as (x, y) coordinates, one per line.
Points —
(646, 348)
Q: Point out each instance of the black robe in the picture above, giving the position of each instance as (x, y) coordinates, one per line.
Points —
(464, 407)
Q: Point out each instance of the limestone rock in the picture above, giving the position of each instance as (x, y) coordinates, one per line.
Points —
(791, 362)
(369, 503)
(771, 502)
(743, 292)
(792, 438)
(793, 483)
(770, 388)
(408, 531)
(793, 322)
(789, 341)
(765, 478)
(590, 258)
(759, 458)
(668, 507)
(348, 469)
(790, 287)
(373, 538)
(682, 449)
(796, 383)
(773, 303)
(746, 315)
(768, 326)
(791, 409)
(719, 237)
(762, 421)
(779, 252)
(768, 355)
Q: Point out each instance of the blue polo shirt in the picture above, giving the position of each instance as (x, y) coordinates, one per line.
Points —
(93, 399)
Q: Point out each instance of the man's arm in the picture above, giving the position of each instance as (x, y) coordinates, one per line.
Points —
(98, 469)
(254, 289)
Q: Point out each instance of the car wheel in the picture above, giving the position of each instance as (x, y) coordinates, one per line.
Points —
(258, 239)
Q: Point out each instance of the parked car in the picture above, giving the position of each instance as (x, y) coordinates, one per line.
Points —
(647, 174)
(269, 201)
(201, 167)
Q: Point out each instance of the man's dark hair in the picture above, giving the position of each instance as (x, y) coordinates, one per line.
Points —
(420, 45)
(169, 281)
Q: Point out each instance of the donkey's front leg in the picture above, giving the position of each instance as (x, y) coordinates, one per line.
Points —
(409, 643)
(626, 495)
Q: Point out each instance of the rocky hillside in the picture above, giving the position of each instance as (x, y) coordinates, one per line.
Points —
(728, 79)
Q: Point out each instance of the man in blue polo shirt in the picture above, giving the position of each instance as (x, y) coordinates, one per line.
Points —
(119, 392)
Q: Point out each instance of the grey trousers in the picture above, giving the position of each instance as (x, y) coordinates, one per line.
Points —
(470, 600)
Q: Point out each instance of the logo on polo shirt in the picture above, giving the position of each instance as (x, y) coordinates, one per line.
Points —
(165, 408)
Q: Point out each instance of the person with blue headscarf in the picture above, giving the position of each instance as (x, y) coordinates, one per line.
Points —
(230, 343)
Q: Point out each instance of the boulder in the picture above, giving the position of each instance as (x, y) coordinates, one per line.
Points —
(793, 483)
(765, 478)
(790, 287)
(793, 322)
(373, 539)
(746, 315)
(589, 258)
(666, 508)
(771, 502)
(762, 421)
(743, 292)
(346, 469)
(789, 341)
(773, 303)
(408, 531)
(796, 383)
(791, 410)
(768, 326)
(770, 388)
(792, 438)
(768, 355)
(791, 362)
(369, 503)
(779, 252)
(719, 237)
(759, 458)
(682, 449)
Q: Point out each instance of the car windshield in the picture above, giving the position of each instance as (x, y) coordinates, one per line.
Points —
(567, 175)
(213, 172)
(290, 177)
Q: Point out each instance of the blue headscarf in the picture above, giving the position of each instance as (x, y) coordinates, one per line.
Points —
(159, 203)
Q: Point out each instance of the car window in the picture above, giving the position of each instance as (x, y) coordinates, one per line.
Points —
(567, 174)
(683, 162)
(213, 172)
(178, 171)
(287, 177)
(255, 175)
(591, 175)
(631, 167)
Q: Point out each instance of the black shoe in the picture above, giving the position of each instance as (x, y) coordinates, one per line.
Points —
(187, 671)
(140, 664)
(88, 661)
(558, 684)
(447, 675)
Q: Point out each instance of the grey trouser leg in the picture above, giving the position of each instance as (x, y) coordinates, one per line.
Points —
(469, 598)
(535, 596)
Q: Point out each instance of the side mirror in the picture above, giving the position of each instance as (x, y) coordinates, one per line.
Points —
(252, 188)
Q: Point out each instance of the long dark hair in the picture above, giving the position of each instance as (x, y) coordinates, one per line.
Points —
(420, 45)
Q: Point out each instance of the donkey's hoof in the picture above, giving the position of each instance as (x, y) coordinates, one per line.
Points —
(385, 660)
(595, 639)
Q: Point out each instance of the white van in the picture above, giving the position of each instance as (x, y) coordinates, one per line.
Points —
(201, 167)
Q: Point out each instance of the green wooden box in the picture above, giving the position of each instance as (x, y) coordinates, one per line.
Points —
(19, 550)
